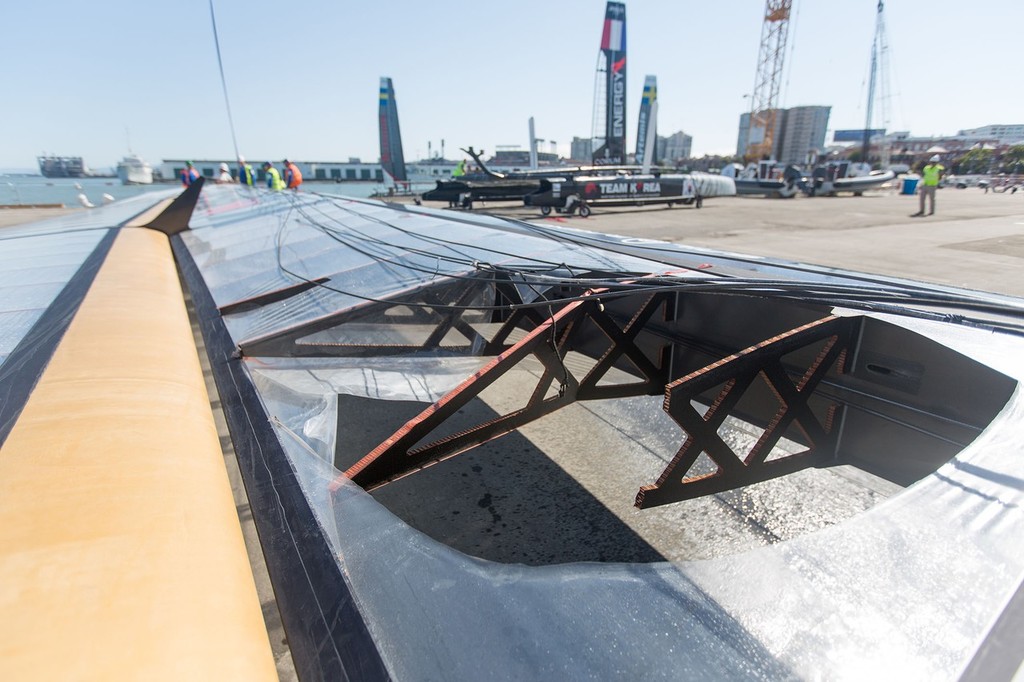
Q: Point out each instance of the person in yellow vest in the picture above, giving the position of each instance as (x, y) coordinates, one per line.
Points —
(274, 180)
(930, 177)
(246, 176)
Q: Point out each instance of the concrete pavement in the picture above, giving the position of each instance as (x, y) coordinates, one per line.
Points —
(974, 240)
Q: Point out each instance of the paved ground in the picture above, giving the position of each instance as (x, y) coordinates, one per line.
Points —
(561, 488)
(975, 240)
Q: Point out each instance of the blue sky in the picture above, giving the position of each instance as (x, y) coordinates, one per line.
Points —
(82, 78)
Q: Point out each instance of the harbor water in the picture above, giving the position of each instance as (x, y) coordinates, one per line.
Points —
(21, 190)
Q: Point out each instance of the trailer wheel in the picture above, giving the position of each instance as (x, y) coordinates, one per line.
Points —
(584, 211)
(545, 210)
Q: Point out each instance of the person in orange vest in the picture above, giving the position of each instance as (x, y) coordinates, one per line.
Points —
(292, 175)
(189, 175)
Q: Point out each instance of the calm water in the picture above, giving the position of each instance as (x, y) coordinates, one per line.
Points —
(35, 189)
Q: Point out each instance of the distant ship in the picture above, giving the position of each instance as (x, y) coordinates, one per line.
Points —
(61, 166)
(132, 170)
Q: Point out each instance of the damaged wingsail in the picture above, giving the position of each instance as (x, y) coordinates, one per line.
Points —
(477, 448)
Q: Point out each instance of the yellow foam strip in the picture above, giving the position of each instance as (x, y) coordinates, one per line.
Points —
(121, 556)
(147, 216)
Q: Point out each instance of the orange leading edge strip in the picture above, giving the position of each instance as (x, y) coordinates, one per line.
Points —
(121, 556)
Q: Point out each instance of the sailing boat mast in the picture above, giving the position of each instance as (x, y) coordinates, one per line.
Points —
(878, 77)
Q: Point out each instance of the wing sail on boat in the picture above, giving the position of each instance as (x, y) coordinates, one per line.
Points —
(609, 146)
(645, 121)
(392, 159)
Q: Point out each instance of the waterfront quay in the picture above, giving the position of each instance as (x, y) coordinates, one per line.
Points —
(975, 240)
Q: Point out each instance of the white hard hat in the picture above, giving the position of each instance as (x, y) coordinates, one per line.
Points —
(935, 159)
(224, 167)
(241, 159)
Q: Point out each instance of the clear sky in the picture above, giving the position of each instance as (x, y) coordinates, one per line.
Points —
(85, 78)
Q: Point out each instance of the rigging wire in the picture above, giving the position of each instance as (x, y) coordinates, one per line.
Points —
(888, 297)
(223, 81)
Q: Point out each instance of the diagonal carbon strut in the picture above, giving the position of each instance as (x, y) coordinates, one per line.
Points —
(548, 342)
(736, 374)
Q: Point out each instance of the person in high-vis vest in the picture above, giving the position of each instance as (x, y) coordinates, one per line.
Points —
(292, 175)
(189, 175)
(930, 177)
(274, 180)
(246, 175)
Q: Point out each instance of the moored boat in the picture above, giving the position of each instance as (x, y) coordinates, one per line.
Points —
(133, 170)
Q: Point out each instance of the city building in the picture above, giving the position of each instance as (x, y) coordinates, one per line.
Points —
(744, 139)
(803, 134)
(581, 149)
(997, 133)
(674, 148)
(799, 134)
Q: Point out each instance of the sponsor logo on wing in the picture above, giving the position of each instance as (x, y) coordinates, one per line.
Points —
(618, 99)
(630, 187)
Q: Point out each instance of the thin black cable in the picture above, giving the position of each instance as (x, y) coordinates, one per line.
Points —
(438, 240)
(223, 81)
(849, 296)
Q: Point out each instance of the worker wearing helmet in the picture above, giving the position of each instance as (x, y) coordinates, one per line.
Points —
(274, 180)
(189, 175)
(930, 177)
(292, 175)
(225, 175)
(246, 175)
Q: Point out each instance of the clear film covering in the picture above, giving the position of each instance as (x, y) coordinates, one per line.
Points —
(33, 271)
(503, 542)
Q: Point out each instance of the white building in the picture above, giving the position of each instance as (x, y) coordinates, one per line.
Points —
(352, 170)
(1001, 134)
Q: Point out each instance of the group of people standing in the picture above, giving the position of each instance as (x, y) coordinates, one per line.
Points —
(291, 179)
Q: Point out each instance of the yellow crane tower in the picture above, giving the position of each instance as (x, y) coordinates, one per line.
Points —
(764, 101)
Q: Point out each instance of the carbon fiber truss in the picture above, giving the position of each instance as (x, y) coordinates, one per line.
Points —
(632, 355)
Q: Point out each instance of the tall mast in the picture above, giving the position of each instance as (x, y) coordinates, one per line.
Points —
(879, 78)
(764, 101)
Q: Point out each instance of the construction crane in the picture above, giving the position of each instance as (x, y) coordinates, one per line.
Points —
(764, 101)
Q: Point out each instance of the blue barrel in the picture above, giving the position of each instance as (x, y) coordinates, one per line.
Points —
(909, 186)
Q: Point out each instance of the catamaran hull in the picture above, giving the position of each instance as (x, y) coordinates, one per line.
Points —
(768, 188)
(626, 190)
(857, 185)
(464, 193)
